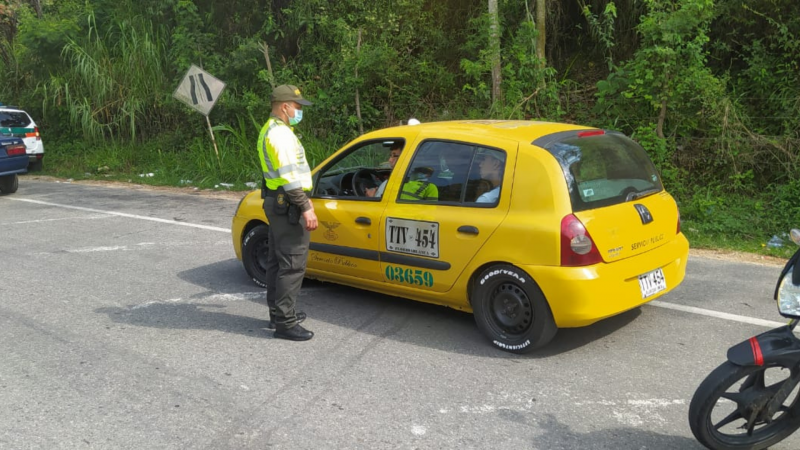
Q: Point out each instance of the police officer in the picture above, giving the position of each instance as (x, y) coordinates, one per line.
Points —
(287, 181)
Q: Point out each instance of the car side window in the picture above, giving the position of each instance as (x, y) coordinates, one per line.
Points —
(454, 169)
(357, 172)
(486, 176)
(418, 181)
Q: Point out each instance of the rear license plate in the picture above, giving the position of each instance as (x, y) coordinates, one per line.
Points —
(652, 283)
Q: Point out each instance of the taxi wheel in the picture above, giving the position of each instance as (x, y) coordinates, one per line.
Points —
(255, 247)
(511, 310)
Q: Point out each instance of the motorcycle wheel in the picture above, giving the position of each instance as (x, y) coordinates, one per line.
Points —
(727, 411)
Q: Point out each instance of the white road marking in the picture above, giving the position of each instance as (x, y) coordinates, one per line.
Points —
(628, 418)
(656, 402)
(131, 247)
(418, 430)
(656, 303)
(717, 314)
(120, 214)
(99, 249)
(635, 412)
(235, 297)
(651, 403)
(25, 222)
(520, 402)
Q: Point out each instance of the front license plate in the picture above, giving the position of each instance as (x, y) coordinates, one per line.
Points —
(652, 283)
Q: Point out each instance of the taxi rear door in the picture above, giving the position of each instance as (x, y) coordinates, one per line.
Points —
(426, 244)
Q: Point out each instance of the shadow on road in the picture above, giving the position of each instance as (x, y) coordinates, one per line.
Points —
(188, 317)
(362, 311)
(560, 436)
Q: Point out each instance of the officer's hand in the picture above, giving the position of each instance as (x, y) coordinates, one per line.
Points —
(311, 220)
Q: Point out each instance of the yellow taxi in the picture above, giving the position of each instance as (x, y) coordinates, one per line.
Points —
(531, 226)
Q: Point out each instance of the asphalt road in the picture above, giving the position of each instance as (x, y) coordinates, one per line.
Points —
(127, 323)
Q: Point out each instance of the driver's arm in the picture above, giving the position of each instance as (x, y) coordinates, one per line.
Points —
(376, 192)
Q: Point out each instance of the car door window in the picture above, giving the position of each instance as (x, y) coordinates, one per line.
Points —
(486, 176)
(358, 172)
(454, 170)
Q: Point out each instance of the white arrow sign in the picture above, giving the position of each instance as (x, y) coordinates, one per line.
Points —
(199, 89)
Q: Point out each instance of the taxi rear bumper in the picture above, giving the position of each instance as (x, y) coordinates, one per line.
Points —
(580, 296)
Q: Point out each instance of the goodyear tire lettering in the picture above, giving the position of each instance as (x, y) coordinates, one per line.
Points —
(512, 347)
(502, 272)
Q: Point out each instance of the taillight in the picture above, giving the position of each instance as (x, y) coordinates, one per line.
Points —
(584, 134)
(34, 134)
(15, 150)
(577, 246)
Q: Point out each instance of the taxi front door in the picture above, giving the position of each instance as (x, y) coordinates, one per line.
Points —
(346, 242)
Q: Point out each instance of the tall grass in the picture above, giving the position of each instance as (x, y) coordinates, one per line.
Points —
(113, 86)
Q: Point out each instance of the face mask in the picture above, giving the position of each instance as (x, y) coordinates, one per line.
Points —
(298, 116)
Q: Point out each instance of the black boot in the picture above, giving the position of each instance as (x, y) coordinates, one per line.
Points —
(301, 316)
(295, 333)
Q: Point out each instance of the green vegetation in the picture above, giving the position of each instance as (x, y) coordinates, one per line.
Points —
(711, 88)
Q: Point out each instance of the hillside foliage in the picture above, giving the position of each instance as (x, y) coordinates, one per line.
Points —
(711, 88)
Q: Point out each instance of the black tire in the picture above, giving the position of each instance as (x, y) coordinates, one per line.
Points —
(35, 166)
(9, 184)
(717, 433)
(255, 246)
(511, 310)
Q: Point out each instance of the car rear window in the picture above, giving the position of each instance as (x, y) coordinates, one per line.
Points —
(604, 169)
(14, 119)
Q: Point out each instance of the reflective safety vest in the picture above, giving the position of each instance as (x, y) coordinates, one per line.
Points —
(419, 190)
(283, 158)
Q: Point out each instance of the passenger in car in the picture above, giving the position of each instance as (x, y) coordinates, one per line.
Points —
(491, 169)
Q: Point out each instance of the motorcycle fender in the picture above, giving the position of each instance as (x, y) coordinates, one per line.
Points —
(775, 346)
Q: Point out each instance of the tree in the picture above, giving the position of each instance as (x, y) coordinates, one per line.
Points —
(494, 48)
(541, 28)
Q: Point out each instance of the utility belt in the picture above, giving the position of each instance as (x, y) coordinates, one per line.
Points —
(268, 193)
(282, 206)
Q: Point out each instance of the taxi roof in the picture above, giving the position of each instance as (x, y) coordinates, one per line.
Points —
(519, 130)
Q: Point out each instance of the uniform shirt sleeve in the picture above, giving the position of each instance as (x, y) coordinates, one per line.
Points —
(299, 198)
(431, 192)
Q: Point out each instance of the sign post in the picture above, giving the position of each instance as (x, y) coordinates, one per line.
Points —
(200, 91)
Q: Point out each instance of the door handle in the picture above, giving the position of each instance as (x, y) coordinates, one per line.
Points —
(468, 229)
(363, 221)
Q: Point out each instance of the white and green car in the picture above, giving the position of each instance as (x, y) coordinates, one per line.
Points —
(16, 122)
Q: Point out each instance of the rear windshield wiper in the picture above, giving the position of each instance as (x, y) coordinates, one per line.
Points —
(645, 193)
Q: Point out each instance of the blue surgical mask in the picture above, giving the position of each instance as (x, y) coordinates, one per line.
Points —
(298, 116)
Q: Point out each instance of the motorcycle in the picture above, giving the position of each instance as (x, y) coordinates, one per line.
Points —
(752, 401)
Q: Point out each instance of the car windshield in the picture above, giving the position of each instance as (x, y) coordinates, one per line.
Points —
(606, 169)
(14, 119)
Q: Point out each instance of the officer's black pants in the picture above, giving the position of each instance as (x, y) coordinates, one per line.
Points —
(286, 264)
